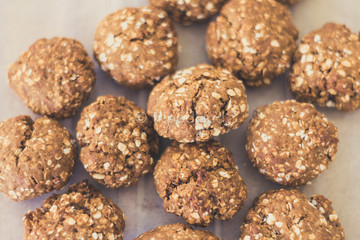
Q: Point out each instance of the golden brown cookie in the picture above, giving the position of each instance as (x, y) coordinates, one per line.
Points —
(36, 157)
(287, 214)
(117, 140)
(198, 103)
(54, 77)
(81, 213)
(291, 143)
(137, 47)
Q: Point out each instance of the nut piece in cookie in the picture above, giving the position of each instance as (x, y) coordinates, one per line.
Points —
(81, 213)
(287, 214)
(326, 68)
(291, 143)
(197, 103)
(36, 157)
(117, 140)
(190, 11)
(200, 182)
(255, 39)
(136, 46)
(177, 231)
(54, 77)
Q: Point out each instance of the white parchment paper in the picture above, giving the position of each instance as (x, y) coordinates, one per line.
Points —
(23, 22)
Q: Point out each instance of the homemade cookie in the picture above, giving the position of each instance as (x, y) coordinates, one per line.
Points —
(255, 39)
(190, 11)
(117, 140)
(81, 213)
(287, 214)
(137, 46)
(198, 103)
(36, 157)
(326, 68)
(291, 143)
(200, 182)
(54, 77)
(177, 231)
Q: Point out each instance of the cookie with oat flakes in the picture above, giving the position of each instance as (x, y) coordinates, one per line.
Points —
(200, 182)
(197, 103)
(54, 77)
(81, 213)
(189, 11)
(255, 39)
(36, 157)
(117, 140)
(137, 47)
(326, 68)
(177, 231)
(287, 214)
(291, 143)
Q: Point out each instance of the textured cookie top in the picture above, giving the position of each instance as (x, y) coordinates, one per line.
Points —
(326, 68)
(189, 11)
(35, 157)
(290, 142)
(136, 46)
(255, 39)
(177, 231)
(287, 214)
(81, 213)
(117, 140)
(198, 103)
(54, 77)
(199, 181)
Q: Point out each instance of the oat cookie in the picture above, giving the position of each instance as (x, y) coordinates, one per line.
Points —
(255, 39)
(177, 231)
(54, 77)
(81, 213)
(291, 143)
(136, 46)
(117, 140)
(36, 157)
(200, 182)
(198, 103)
(287, 214)
(189, 11)
(326, 68)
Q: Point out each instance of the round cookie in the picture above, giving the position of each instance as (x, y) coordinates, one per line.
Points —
(287, 214)
(191, 11)
(177, 231)
(36, 157)
(254, 39)
(200, 182)
(326, 68)
(136, 46)
(198, 103)
(81, 213)
(117, 140)
(291, 143)
(54, 77)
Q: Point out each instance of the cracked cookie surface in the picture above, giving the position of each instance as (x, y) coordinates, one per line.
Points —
(117, 140)
(287, 214)
(136, 46)
(190, 11)
(177, 231)
(81, 213)
(255, 39)
(199, 181)
(36, 157)
(54, 77)
(197, 103)
(291, 143)
(326, 68)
